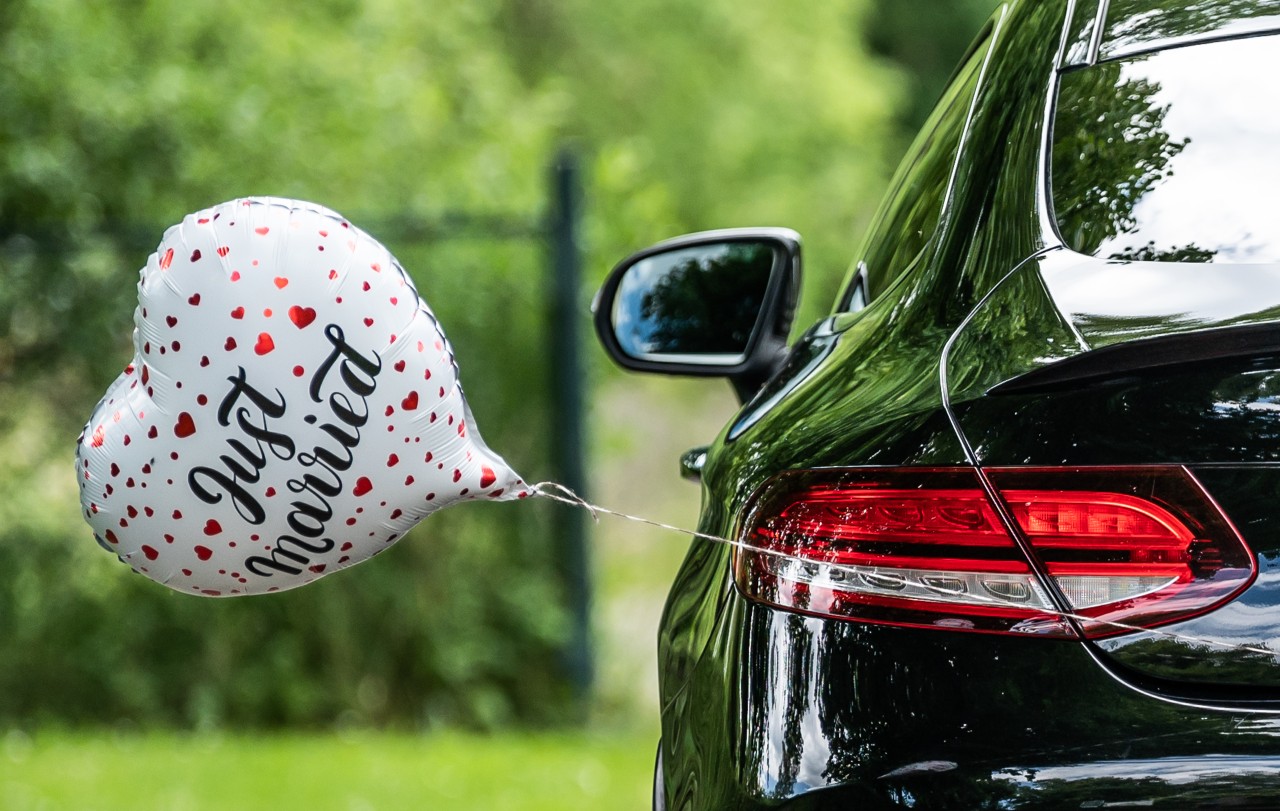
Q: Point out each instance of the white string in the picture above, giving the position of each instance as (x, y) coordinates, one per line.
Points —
(558, 492)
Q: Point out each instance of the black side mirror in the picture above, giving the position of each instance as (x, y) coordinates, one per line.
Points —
(716, 303)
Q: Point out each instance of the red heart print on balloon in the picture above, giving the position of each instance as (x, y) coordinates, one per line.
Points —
(302, 316)
(246, 447)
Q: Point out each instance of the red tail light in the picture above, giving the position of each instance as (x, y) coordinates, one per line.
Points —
(1127, 548)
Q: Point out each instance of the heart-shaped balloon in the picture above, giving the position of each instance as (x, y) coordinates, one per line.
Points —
(292, 407)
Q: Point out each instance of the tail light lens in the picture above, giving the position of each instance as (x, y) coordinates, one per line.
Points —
(1128, 548)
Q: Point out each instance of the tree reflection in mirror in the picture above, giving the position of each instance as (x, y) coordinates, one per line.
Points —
(697, 305)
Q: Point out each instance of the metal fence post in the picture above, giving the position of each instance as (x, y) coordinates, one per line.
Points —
(568, 430)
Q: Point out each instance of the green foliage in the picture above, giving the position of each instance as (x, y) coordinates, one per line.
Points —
(720, 113)
(927, 39)
(121, 117)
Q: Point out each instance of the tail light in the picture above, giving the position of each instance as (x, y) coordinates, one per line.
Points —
(1126, 548)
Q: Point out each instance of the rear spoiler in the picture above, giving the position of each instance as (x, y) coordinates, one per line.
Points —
(1146, 354)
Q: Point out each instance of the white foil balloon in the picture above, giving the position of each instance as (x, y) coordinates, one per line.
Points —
(292, 407)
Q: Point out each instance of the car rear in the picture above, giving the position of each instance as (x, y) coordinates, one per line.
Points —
(1052, 581)
(1154, 335)
(1085, 619)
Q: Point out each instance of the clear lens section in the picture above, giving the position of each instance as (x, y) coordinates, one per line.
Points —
(1085, 591)
(969, 588)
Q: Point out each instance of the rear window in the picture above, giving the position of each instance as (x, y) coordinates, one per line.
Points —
(1173, 156)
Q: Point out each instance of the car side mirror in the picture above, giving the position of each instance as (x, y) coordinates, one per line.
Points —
(715, 303)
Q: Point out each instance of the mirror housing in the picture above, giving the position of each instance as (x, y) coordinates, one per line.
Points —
(710, 304)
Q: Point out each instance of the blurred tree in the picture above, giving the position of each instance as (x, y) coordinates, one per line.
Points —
(131, 114)
(121, 117)
(717, 113)
(926, 39)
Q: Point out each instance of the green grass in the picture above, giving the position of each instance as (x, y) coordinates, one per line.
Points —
(351, 772)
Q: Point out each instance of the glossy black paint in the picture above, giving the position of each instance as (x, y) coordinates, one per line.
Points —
(973, 290)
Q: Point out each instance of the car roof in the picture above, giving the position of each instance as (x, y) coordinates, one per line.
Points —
(1098, 30)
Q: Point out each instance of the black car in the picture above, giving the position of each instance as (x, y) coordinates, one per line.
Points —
(1005, 527)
